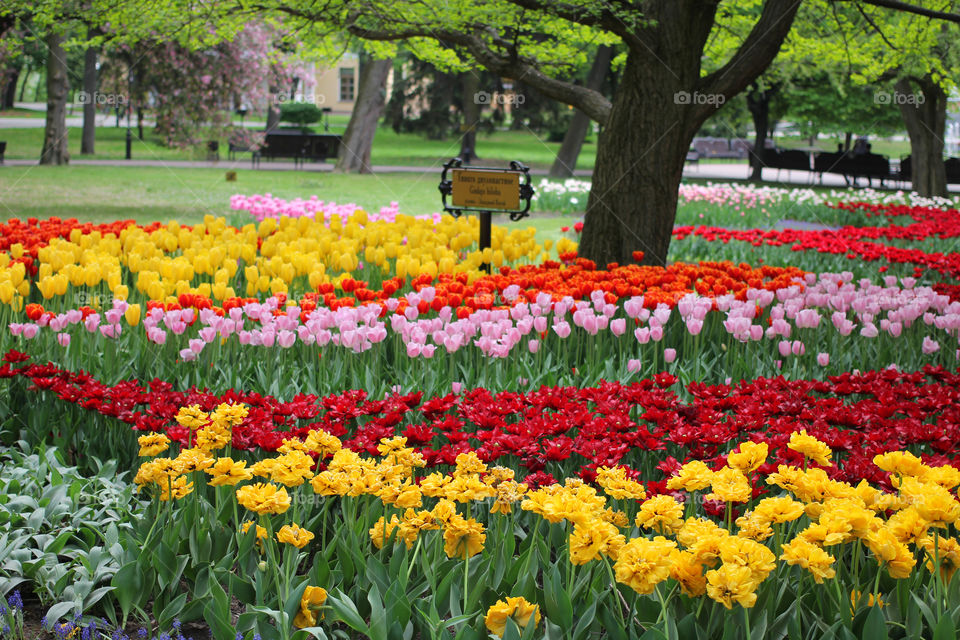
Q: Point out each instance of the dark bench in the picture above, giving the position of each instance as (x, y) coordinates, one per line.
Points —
(300, 146)
(852, 167)
(3, 150)
(951, 165)
(789, 159)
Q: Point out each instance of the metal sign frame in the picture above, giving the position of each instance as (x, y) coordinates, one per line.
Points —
(526, 189)
(526, 195)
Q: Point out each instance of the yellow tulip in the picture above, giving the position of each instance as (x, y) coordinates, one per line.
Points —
(132, 315)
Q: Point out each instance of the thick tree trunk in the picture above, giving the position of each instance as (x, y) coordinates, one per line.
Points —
(654, 116)
(88, 137)
(925, 114)
(371, 97)
(640, 156)
(758, 102)
(58, 86)
(471, 99)
(566, 160)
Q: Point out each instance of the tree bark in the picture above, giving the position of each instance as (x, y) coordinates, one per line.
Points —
(88, 137)
(23, 86)
(926, 125)
(58, 86)
(471, 100)
(566, 160)
(655, 115)
(758, 102)
(9, 90)
(354, 156)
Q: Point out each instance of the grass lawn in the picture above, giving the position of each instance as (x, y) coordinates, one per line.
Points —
(146, 194)
(389, 148)
(100, 194)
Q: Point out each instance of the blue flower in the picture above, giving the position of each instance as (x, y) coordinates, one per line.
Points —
(15, 600)
(176, 624)
(142, 632)
(239, 636)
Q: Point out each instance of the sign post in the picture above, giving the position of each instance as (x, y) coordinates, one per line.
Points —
(486, 189)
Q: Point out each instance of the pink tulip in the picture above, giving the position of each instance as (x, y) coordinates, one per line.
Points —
(110, 330)
(869, 330)
(618, 326)
(533, 346)
(633, 365)
(413, 349)
(428, 350)
(562, 328)
(669, 355)
(642, 334)
(823, 359)
(286, 339)
(456, 387)
(929, 346)
(196, 345)
(694, 326)
(798, 348)
(784, 348)
(187, 355)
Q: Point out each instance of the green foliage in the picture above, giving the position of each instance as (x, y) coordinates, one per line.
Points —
(301, 113)
(62, 534)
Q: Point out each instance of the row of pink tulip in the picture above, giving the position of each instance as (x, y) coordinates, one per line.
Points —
(870, 309)
(268, 206)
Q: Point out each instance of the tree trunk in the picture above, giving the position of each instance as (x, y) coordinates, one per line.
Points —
(357, 143)
(23, 86)
(758, 102)
(576, 133)
(640, 156)
(925, 115)
(655, 115)
(89, 134)
(471, 99)
(847, 140)
(273, 111)
(58, 86)
(9, 92)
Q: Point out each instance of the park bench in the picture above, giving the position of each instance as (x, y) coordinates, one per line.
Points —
(951, 165)
(300, 146)
(853, 167)
(789, 159)
(721, 148)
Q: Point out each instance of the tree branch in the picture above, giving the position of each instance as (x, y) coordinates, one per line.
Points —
(586, 15)
(911, 8)
(592, 103)
(753, 57)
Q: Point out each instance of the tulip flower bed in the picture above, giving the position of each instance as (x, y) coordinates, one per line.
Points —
(320, 538)
(551, 432)
(346, 429)
(934, 228)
